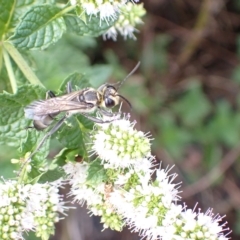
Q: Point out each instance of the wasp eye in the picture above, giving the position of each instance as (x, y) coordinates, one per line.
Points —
(109, 102)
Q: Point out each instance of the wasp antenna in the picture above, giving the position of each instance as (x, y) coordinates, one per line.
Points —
(129, 104)
(135, 68)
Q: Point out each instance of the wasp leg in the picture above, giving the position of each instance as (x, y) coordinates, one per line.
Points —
(53, 130)
(97, 120)
(50, 94)
(106, 113)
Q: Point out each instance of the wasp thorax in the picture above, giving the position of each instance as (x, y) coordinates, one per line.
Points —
(90, 96)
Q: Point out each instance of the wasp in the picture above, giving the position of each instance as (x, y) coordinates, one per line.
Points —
(84, 102)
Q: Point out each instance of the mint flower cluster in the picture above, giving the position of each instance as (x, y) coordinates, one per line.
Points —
(126, 15)
(119, 145)
(125, 194)
(29, 207)
(131, 16)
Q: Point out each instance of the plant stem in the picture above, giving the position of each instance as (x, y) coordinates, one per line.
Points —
(66, 10)
(197, 33)
(22, 64)
(9, 68)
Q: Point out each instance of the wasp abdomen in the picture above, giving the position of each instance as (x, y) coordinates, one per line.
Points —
(44, 122)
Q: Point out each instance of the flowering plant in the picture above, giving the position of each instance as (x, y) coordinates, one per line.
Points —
(114, 175)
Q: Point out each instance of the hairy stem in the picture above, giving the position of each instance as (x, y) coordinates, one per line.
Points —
(22, 64)
(9, 68)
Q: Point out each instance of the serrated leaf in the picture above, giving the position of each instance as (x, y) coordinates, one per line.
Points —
(39, 27)
(51, 176)
(51, 64)
(7, 8)
(96, 173)
(70, 134)
(85, 123)
(76, 25)
(22, 6)
(90, 25)
(30, 143)
(13, 124)
(77, 80)
(96, 26)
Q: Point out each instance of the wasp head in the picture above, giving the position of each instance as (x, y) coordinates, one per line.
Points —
(109, 93)
(111, 97)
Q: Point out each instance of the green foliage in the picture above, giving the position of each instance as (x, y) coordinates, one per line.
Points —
(13, 124)
(191, 120)
(96, 173)
(87, 25)
(37, 25)
(236, 4)
(44, 25)
(173, 137)
(193, 106)
(155, 54)
(29, 144)
(5, 15)
(51, 175)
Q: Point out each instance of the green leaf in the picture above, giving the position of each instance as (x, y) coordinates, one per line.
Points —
(193, 107)
(13, 124)
(172, 137)
(6, 167)
(93, 76)
(99, 74)
(96, 173)
(236, 75)
(155, 54)
(30, 143)
(88, 25)
(85, 123)
(225, 125)
(76, 25)
(22, 6)
(7, 8)
(40, 27)
(51, 176)
(96, 26)
(74, 133)
(70, 134)
(77, 80)
(51, 64)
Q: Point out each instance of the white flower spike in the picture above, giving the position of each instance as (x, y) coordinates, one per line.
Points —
(119, 145)
(29, 207)
(125, 194)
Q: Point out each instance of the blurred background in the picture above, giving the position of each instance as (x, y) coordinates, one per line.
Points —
(185, 93)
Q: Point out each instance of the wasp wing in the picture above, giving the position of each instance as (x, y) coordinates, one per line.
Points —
(71, 96)
(53, 106)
